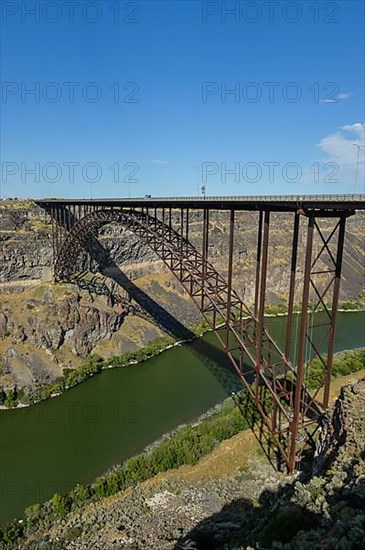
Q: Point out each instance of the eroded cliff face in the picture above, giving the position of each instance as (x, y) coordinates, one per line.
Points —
(126, 297)
(47, 327)
(26, 249)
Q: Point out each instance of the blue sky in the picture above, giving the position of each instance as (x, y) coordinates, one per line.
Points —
(172, 127)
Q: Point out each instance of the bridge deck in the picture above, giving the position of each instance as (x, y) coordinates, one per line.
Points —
(279, 203)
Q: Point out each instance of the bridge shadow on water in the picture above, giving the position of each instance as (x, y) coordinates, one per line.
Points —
(215, 359)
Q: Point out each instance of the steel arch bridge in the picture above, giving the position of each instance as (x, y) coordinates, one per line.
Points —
(290, 414)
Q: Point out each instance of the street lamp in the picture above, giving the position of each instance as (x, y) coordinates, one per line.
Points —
(357, 163)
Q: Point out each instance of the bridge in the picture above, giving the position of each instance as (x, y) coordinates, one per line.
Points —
(274, 378)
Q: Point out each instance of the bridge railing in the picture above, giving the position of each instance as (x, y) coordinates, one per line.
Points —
(269, 198)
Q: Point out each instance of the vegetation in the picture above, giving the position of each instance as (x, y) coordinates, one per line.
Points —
(348, 305)
(186, 446)
(71, 377)
(286, 524)
(142, 354)
(282, 307)
(61, 505)
(201, 327)
(344, 363)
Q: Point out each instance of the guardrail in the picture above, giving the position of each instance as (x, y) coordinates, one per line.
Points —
(357, 198)
(263, 198)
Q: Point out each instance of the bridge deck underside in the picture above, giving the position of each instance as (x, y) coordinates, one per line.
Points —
(272, 203)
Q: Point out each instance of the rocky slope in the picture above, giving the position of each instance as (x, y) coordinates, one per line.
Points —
(233, 499)
(130, 298)
(46, 328)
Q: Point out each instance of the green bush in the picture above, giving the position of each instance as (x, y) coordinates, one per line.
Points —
(141, 354)
(61, 505)
(72, 533)
(32, 513)
(286, 524)
(344, 363)
(80, 494)
(11, 533)
(2, 397)
(11, 400)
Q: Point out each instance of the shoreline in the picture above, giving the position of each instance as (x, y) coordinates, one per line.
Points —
(178, 343)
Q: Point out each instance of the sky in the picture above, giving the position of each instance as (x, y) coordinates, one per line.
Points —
(118, 99)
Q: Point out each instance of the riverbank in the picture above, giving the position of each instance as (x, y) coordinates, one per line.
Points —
(232, 498)
(187, 445)
(17, 398)
(20, 398)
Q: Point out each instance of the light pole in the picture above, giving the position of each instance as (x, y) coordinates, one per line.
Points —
(357, 163)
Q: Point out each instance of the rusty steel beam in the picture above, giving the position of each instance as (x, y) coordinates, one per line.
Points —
(230, 266)
(326, 292)
(53, 236)
(298, 396)
(187, 226)
(338, 268)
(293, 269)
(204, 252)
(324, 203)
(262, 293)
(182, 239)
(258, 263)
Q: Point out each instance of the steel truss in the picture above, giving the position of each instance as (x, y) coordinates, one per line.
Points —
(274, 380)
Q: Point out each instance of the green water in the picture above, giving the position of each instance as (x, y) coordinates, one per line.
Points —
(75, 437)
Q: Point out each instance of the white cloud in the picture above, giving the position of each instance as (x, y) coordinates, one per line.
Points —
(339, 97)
(162, 162)
(339, 148)
(344, 95)
(356, 128)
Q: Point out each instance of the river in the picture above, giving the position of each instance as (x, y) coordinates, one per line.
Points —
(73, 438)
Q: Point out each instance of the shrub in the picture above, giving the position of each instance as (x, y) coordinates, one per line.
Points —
(343, 363)
(80, 494)
(72, 533)
(286, 524)
(11, 533)
(61, 505)
(32, 513)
